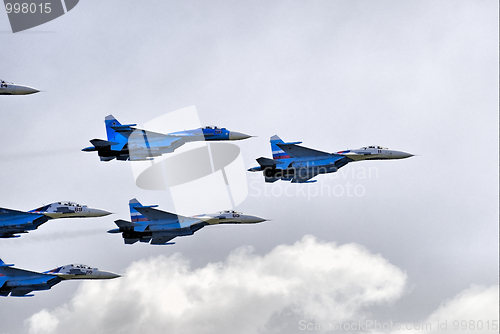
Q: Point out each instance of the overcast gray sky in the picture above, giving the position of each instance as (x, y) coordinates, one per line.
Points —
(417, 243)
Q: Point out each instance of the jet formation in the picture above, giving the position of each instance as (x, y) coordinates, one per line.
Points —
(20, 282)
(299, 164)
(125, 142)
(290, 162)
(13, 222)
(8, 88)
(159, 227)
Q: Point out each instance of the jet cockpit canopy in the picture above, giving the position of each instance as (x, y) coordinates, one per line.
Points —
(81, 266)
(213, 127)
(230, 211)
(374, 147)
(69, 204)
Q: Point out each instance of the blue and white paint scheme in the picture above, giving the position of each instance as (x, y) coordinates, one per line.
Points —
(19, 282)
(9, 88)
(126, 142)
(158, 227)
(299, 164)
(13, 222)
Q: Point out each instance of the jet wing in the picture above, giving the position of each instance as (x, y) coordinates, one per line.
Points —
(4, 213)
(10, 272)
(150, 136)
(32, 284)
(143, 143)
(155, 214)
(26, 281)
(296, 151)
(13, 221)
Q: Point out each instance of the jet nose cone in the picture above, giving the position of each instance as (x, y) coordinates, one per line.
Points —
(403, 155)
(233, 135)
(25, 90)
(99, 213)
(107, 275)
(399, 155)
(255, 219)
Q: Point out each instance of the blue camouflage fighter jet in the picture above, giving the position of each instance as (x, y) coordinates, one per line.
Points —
(125, 142)
(13, 222)
(299, 164)
(20, 282)
(159, 227)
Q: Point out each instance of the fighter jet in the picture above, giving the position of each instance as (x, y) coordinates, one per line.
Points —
(20, 282)
(125, 142)
(159, 227)
(8, 88)
(13, 221)
(299, 164)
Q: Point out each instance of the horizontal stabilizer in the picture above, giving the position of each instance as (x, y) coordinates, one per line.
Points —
(124, 223)
(277, 139)
(3, 264)
(10, 235)
(21, 292)
(127, 226)
(266, 162)
(123, 128)
(102, 143)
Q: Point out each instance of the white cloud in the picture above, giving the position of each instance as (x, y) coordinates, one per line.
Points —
(42, 322)
(476, 307)
(246, 293)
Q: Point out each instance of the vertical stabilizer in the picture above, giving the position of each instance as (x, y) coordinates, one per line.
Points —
(278, 153)
(114, 136)
(136, 216)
